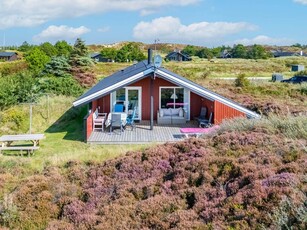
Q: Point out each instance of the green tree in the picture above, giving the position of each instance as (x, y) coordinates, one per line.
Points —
(109, 52)
(298, 45)
(239, 51)
(130, 52)
(58, 66)
(60, 86)
(79, 49)
(81, 64)
(216, 51)
(205, 53)
(36, 59)
(257, 52)
(49, 49)
(121, 56)
(25, 47)
(63, 48)
(16, 89)
(190, 50)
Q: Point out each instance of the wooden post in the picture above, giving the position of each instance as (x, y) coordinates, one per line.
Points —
(48, 107)
(30, 118)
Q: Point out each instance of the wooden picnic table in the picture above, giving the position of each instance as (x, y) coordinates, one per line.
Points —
(7, 141)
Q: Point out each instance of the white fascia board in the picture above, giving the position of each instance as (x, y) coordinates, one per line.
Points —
(112, 87)
(208, 94)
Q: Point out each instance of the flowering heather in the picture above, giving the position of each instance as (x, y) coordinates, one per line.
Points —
(248, 179)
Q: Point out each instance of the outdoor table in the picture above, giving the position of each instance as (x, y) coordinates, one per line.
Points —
(123, 118)
(7, 140)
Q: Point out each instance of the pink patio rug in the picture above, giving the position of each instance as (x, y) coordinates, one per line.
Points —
(198, 131)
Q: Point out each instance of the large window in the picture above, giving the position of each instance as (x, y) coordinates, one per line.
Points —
(175, 97)
(172, 98)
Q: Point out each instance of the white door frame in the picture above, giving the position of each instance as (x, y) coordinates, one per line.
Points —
(139, 99)
(113, 96)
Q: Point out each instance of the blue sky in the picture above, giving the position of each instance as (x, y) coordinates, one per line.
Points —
(198, 22)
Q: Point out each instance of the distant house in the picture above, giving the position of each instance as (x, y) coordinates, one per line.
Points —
(295, 68)
(225, 54)
(288, 54)
(99, 58)
(8, 56)
(177, 56)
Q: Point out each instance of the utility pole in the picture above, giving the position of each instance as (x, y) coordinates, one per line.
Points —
(4, 41)
(156, 41)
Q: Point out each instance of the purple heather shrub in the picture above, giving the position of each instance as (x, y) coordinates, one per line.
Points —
(234, 180)
(281, 180)
(81, 214)
(60, 225)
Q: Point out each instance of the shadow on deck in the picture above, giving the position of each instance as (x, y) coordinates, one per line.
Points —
(141, 134)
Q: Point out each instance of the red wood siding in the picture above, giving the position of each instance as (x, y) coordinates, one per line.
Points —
(89, 126)
(89, 121)
(197, 102)
(222, 111)
(104, 104)
(210, 108)
(145, 84)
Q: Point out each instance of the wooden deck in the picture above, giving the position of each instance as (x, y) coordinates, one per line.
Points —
(141, 134)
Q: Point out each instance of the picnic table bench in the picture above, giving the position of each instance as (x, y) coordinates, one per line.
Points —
(198, 131)
(34, 139)
(29, 149)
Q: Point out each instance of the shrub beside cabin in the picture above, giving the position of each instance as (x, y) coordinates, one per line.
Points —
(150, 89)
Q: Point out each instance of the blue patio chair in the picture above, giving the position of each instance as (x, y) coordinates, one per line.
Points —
(119, 108)
(130, 119)
(116, 121)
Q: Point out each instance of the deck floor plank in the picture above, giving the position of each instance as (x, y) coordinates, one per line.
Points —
(140, 134)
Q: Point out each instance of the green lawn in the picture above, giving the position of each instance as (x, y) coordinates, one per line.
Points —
(64, 139)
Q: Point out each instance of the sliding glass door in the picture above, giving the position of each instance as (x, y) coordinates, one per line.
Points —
(130, 97)
(133, 96)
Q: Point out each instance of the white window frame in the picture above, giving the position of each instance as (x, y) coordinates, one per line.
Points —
(186, 93)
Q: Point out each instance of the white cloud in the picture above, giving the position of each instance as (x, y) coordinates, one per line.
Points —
(27, 13)
(264, 40)
(55, 33)
(170, 29)
(104, 29)
(146, 12)
(304, 2)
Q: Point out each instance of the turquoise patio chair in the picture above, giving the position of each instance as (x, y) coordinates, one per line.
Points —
(130, 119)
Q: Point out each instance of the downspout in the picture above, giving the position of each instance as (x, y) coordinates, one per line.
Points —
(151, 102)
